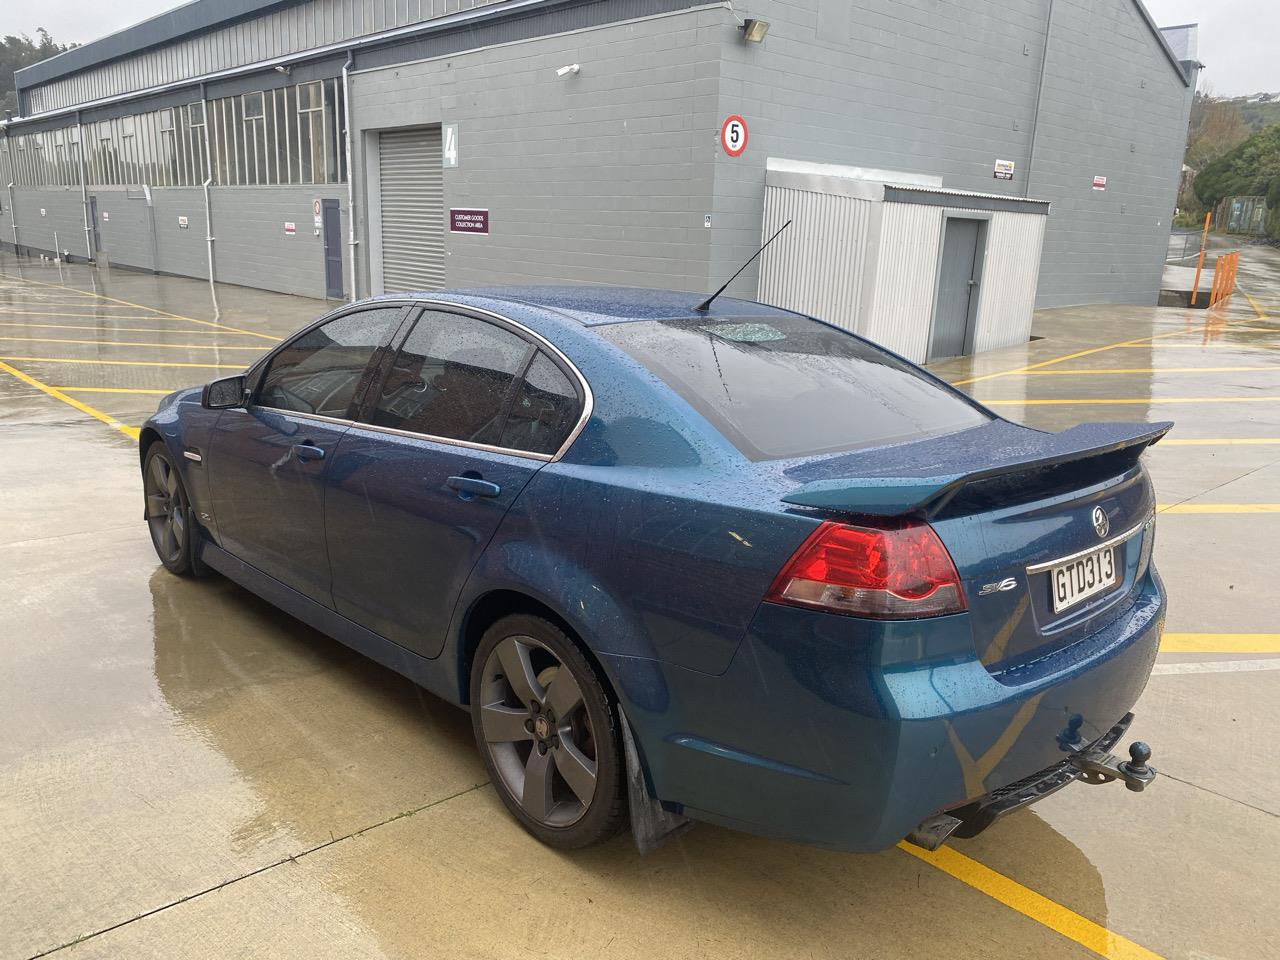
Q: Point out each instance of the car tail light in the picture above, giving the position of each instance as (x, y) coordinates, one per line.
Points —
(899, 571)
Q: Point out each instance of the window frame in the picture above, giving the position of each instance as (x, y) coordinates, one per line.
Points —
(257, 373)
(536, 342)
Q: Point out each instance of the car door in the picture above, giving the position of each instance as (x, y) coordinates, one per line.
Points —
(468, 411)
(267, 461)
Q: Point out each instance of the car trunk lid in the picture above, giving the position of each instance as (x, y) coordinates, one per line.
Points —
(1011, 504)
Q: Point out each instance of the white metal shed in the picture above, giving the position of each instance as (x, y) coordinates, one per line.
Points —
(925, 271)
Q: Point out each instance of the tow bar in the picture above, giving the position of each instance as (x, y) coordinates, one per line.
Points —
(1098, 766)
(1088, 762)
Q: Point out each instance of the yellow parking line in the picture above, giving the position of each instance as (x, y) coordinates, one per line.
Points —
(1142, 342)
(57, 394)
(80, 316)
(186, 331)
(1220, 643)
(114, 390)
(1218, 508)
(1037, 907)
(1218, 441)
(1119, 370)
(1257, 307)
(136, 343)
(1106, 401)
(1225, 344)
(128, 363)
(142, 306)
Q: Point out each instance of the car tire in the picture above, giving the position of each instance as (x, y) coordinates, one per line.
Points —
(546, 746)
(168, 512)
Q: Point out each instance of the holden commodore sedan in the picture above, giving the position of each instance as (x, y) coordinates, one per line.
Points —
(685, 561)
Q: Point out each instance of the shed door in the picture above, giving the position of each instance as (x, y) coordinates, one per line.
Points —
(412, 186)
(957, 288)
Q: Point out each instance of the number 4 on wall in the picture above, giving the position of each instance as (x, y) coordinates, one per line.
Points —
(449, 155)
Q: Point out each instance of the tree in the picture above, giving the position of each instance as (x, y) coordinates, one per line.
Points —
(1216, 126)
(1251, 169)
(19, 52)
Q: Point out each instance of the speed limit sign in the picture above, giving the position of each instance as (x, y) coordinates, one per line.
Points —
(733, 135)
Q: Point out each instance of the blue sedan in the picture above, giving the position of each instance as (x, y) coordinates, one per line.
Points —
(685, 562)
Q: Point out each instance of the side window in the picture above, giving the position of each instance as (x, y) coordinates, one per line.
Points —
(321, 371)
(545, 409)
(453, 378)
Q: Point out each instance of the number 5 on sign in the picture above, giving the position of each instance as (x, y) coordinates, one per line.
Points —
(733, 135)
(450, 152)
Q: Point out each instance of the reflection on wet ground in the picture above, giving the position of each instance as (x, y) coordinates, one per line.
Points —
(187, 772)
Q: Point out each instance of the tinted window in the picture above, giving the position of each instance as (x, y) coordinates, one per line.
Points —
(545, 409)
(453, 378)
(321, 371)
(792, 387)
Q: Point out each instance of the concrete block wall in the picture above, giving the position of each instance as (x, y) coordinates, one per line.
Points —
(947, 89)
(603, 177)
(1112, 107)
(251, 246)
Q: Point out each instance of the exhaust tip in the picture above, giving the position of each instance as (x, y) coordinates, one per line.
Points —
(932, 832)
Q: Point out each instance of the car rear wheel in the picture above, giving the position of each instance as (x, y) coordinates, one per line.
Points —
(548, 733)
(168, 511)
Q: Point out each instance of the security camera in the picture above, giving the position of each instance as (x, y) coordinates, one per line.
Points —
(573, 68)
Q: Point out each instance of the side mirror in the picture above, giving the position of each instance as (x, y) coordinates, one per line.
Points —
(224, 394)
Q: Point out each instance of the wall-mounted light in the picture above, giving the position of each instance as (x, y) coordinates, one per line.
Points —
(282, 69)
(572, 70)
(753, 31)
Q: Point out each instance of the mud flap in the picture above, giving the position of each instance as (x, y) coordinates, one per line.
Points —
(651, 823)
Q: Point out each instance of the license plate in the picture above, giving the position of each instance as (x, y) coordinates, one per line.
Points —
(1082, 578)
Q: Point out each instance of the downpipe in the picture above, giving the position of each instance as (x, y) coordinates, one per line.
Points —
(208, 230)
(13, 221)
(84, 192)
(351, 189)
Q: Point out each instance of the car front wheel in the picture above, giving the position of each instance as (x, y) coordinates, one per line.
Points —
(548, 733)
(168, 511)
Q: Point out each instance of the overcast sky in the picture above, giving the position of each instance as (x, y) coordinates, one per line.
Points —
(1238, 38)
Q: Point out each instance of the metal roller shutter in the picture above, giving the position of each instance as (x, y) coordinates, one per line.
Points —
(412, 209)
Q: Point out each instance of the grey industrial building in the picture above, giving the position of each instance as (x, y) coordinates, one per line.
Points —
(947, 165)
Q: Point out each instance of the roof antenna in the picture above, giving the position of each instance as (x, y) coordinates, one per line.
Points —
(705, 305)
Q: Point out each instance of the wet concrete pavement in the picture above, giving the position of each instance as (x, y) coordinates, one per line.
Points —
(189, 773)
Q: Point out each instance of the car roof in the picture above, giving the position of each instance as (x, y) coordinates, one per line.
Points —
(594, 306)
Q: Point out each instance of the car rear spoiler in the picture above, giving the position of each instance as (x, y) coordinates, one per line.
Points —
(923, 476)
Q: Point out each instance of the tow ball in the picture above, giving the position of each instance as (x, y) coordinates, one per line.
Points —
(1098, 766)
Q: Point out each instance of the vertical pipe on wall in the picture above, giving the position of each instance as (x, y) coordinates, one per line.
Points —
(13, 219)
(351, 189)
(84, 190)
(1035, 115)
(208, 208)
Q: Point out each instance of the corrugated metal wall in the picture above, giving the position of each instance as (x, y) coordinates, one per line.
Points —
(1010, 274)
(901, 305)
(290, 30)
(872, 267)
(819, 266)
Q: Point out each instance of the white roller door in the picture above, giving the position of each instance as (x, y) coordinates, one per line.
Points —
(412, 187)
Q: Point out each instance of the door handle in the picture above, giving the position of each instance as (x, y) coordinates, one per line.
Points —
(307, 451)
(469, 487)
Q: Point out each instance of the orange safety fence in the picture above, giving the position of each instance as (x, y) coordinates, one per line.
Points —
(1224, 277)
(1204, 240)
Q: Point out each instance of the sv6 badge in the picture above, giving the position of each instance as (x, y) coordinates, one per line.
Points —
(1008, 583)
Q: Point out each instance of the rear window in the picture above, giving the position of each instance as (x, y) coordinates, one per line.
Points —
(792, 387)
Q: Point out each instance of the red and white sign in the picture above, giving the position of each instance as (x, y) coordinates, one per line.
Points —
(290, 229)
(1099, 183)
(733, 135)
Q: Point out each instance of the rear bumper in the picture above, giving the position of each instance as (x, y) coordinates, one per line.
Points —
(847, 734)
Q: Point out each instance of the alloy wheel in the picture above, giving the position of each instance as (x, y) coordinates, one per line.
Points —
(537, 731)
(166, 509)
